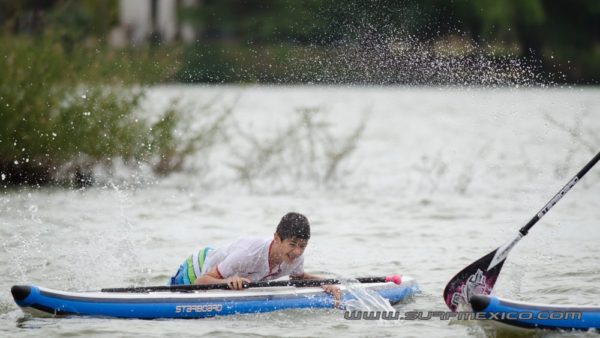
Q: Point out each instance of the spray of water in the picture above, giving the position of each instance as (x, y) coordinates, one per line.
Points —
(364, 300)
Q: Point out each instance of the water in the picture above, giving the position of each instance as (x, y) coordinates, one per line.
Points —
(439, 178)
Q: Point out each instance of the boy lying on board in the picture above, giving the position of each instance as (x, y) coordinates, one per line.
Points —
(253, 259)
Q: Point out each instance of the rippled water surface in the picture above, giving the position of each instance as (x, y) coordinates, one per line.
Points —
(439, 177)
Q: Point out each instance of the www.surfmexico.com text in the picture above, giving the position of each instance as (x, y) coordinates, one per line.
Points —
(442, 315)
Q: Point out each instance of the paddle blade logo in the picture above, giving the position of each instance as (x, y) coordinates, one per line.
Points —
(476, 285)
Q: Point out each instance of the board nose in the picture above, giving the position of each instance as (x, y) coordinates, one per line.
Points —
(479, 302)
(20, 292)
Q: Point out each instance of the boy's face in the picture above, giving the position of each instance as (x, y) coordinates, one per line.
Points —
(291, 248)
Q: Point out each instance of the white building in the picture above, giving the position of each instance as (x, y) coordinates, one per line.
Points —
(140, 19)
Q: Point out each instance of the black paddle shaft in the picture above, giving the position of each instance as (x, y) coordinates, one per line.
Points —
(292, 282)
(525, 229)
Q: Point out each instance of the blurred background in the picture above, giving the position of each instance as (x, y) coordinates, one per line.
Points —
(259, 41)
(56, 52)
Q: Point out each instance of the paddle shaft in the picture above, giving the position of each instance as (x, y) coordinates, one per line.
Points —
(297, 283)
(525, 229)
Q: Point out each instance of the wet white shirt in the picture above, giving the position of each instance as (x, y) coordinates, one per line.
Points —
(249, 258)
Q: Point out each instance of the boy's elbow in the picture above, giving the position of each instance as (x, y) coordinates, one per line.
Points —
(304, 275)
(205, 279)
(210, 277)
(200, 280)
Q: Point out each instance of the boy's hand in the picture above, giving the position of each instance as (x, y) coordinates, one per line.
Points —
(334, 290)
(236, 283)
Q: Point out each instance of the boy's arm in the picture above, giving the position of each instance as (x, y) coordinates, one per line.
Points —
(331, 289)
(213, 277)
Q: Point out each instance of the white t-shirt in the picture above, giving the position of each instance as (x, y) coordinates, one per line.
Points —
(249, 258)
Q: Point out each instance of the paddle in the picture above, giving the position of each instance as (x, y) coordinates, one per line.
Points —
(293, 282)
(480, 276)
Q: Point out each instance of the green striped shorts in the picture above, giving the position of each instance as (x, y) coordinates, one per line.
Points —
(191, 268)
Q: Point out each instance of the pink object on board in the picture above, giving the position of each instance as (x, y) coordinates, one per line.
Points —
(397, 279)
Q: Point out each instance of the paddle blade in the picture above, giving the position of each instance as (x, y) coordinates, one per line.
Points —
(478, 278)
(474, 279)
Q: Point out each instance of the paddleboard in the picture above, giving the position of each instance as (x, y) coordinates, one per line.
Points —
(192, 304)
(543, 316)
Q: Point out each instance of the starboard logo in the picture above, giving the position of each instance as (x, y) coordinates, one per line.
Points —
(198, 308)
(558, 196)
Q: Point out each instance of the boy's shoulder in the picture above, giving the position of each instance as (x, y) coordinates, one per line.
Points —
(251, 240)
(250, 243)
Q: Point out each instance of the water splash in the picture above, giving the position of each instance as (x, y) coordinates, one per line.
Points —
(364, 299)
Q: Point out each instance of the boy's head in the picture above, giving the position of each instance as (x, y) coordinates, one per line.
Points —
(291, 237)
(293, 226)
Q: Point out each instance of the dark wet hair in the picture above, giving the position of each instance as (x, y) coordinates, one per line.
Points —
(293, 225)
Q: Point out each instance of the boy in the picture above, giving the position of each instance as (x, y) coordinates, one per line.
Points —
(253, 259)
